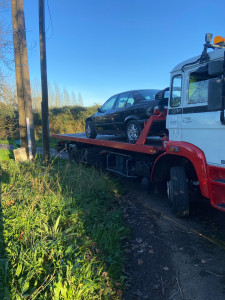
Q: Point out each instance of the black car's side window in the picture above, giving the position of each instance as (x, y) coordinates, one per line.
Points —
(122, 100)
(109, 104)
(130, 101)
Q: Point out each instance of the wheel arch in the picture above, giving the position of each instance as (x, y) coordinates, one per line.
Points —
(162, 165)
(190, 157)
(130, 118)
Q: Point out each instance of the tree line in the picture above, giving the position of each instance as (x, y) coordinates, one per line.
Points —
(57, 97)
(66, 111)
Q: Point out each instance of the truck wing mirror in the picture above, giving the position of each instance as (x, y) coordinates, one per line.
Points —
(215, 68)
(215, 94)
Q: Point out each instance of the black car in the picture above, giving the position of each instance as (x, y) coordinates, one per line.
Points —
(125, 113)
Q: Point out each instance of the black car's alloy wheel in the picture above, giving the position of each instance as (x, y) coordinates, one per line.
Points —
(133, 131)
(90, 130)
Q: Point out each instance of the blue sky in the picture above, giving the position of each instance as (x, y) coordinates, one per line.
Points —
(102, 47)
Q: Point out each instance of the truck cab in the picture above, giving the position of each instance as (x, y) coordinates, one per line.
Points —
(196, 115)
(190, 117)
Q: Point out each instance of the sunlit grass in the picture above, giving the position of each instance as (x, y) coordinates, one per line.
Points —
(6, 155)
(7, 142)
(62, 232)
(38, 142)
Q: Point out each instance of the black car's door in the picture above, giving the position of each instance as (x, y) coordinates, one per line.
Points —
(102, 120)
(140, 105)
(118, 115)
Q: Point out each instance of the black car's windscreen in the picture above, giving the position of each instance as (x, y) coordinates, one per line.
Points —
(145, 95)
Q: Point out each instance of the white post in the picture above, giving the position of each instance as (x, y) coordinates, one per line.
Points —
(29, 139)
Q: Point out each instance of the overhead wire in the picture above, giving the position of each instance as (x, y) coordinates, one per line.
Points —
(50, 22)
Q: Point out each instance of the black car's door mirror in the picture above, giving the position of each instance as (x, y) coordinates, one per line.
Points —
(215, 94)
(100, 110)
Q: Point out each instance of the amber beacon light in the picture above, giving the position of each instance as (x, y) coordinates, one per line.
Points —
(219, 40)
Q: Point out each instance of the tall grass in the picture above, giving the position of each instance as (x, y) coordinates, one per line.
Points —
(62, 233)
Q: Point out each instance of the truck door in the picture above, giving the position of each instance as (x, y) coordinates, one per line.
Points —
(200, 125)
(173, 120)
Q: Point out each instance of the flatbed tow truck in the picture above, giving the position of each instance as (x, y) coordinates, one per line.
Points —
(192, 155)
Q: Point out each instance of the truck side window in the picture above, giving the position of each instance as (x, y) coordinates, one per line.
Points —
(198, 88)
(175, 99)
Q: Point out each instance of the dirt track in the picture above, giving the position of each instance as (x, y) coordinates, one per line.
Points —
(170, 258)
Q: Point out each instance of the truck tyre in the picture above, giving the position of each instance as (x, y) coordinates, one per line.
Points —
(76, 156)
(133, 130)
(90, 130)
(178, 192)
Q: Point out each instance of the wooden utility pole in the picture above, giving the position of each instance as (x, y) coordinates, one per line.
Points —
(44, 84)
(26, 121)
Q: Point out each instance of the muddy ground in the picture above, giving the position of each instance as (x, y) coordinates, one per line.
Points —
(171, 258)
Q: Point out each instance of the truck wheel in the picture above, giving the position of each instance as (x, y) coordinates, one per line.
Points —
(177, 190)
(76, 156)
(145, 182)
(133, 131)
(90, 130)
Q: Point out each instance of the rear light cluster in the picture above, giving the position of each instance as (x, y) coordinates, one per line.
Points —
(160, 109)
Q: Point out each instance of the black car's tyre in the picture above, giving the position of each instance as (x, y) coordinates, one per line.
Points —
(90, 130)
(133, 131)
(178, 192)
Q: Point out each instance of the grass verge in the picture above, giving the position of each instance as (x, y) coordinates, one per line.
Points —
(6, 155)
(38, 142)
(62, 231)
(7, 142)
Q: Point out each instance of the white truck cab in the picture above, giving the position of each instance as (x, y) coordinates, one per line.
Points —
(190, 116)
(196, 115)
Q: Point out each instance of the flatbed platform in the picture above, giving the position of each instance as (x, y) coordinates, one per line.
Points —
(144, 144)
(152, 145)
(99, 137)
